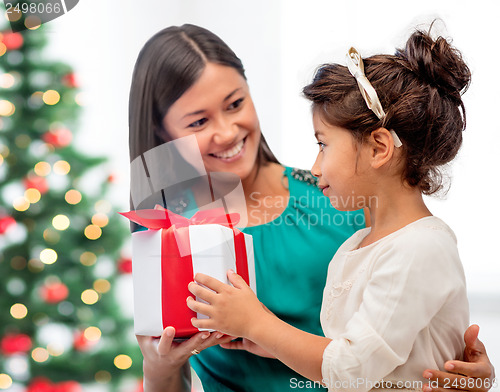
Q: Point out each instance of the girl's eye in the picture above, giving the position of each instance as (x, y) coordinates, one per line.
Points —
(321, 146)
(235, 104)
(198, 123)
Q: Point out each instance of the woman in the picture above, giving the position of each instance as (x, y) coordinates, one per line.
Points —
(188, 82)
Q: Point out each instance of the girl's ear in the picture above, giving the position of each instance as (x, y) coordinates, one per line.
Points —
(381, 146)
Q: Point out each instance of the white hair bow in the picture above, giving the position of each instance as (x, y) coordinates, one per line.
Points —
(357, 69)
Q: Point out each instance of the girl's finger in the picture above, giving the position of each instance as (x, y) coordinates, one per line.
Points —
(201, 292)
(211, 283)
(201, 323)
(198, 307)
(166, 340)
(236, 280)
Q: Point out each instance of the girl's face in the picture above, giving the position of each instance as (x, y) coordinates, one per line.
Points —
(340, 166)
(219, 111)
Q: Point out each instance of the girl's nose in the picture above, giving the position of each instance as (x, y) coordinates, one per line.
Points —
(315, 170)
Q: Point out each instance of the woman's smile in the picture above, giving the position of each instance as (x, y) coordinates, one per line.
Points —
(231, 154)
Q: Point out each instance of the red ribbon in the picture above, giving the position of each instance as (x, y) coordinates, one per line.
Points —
(176, 260)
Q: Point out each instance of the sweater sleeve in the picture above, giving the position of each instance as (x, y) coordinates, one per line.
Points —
(409, 283)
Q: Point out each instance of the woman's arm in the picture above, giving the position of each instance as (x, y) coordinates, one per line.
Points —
(237, 311)
(476, 374)
(165, 365)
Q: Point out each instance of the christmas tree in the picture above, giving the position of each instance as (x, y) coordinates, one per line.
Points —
(61, 328)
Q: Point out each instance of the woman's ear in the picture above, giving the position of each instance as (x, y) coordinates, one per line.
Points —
(381, 146)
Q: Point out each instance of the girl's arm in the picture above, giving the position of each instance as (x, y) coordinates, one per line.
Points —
(236, 311)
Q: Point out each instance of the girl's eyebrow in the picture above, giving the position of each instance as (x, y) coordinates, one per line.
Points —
(317, 133)
(203, 110)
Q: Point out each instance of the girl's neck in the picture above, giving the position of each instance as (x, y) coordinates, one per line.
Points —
(392, 209)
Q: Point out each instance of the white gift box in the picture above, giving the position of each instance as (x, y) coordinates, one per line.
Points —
(212, 250)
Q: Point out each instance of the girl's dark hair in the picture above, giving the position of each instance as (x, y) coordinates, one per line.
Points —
(420, 89)
(169, 64)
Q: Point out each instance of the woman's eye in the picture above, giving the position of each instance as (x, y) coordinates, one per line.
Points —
(321, 145)
(198, 123)
(235, 104)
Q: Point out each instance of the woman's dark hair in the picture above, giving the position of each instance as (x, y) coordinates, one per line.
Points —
(420, 89)
(169, 64)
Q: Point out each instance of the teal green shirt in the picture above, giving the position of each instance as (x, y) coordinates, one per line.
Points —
(292, 254)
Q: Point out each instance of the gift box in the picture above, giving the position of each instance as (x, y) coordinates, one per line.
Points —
(166, 257)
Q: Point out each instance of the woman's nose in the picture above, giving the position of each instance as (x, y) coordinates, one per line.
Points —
(225, 131)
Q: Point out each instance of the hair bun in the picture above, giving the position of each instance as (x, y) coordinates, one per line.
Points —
(438, 63)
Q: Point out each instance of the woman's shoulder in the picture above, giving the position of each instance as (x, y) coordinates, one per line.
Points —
(302, 175)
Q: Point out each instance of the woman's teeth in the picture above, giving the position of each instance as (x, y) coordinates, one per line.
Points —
(231, 152)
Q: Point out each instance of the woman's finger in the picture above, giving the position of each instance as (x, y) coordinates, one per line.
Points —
(166, 340)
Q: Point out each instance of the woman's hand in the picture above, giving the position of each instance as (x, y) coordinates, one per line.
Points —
(166, 365)
(476, 374)
(231, 309)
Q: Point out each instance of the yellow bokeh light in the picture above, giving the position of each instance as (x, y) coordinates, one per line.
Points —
(33, 22)
(5, 381)
(22, 141)
(51, 97)
(21, 204)
(80, 99)
(35, 265)
(60, 222)
(40, 354)
(51, 236)
(100, 219)
(32, 195)
(62, 168)
(7, 80)
(73, 196)
(93, 232)
(122, 361)
(90, 297)
(88, 258)
(1, 160)
(4, 151)
(55, 349)
(3, 49)
(18, 311)
(102, 376)
(14, 15)
(102, 286)
(42, 168)
(92, 333)
(103, 206)
(48, 256)
(7, 108)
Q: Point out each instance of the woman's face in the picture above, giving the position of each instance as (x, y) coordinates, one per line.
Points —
(219, 111)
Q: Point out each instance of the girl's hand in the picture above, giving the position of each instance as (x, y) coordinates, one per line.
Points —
(165, 363)
(247, 345)
(231, 309)
(477, 374)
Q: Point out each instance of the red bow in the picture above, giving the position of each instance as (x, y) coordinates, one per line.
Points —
(163, 219)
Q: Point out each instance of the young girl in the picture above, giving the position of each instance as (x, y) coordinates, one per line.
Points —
(395, 298)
